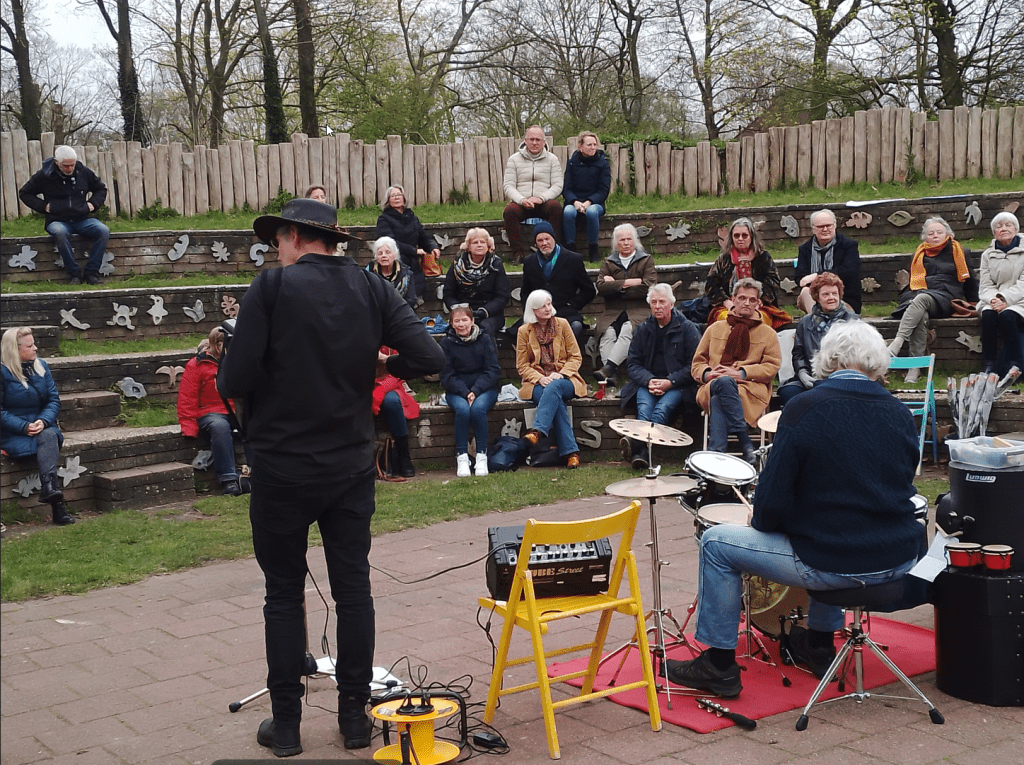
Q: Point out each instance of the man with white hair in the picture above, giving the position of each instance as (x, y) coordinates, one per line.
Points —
(532, 183)
(833, 510)
(829, 251)
(68, 193)
(658, 365)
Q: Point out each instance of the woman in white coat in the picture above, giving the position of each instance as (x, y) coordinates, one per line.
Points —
(1001, 295)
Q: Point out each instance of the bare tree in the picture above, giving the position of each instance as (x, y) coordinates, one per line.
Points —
(29, 114)
(306, 63)
(135, 128)
(273, 97)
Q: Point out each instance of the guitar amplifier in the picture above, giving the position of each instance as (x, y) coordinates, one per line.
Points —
(579, 568)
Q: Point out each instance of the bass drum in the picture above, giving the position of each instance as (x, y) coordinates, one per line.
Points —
(770, 600)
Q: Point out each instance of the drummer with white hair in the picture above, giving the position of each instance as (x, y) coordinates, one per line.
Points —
(818, 522)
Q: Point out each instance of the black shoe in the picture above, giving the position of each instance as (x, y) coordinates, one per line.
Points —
(284, 742)
(60, 516)
(749, 455)
(639, 461)
(795, 649)
(403, 461)
(231, 488)
(75, 280)
(990, 366)
(355, 725)
(49, 491)
(701, 674)
(608, 373)
(91, 277)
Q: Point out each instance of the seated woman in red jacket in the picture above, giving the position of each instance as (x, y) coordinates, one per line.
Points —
(202, 410)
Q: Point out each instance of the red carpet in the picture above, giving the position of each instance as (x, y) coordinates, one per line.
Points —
(911, 648)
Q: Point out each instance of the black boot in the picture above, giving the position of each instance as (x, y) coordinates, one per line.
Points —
(592, 252)
(608, 373)
(403, 462)
(50, 491)
(60, 514)
(354, 724)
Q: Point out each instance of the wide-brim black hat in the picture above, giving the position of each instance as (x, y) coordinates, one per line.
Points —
(308, 212)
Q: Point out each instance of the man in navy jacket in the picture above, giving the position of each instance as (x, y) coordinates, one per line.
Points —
(68, 193)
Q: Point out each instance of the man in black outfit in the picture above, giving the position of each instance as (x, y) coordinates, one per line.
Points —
(561, 272)
(828, 250)
(304, 356)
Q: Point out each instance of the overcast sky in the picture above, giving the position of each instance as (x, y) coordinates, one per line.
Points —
(68, 22)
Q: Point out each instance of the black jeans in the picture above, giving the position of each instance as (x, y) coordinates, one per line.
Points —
(281, 515)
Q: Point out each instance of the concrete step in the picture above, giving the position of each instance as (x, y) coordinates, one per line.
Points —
(143, 487)
(89, 410)
(47, 336)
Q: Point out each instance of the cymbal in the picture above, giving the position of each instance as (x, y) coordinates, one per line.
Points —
(667, 486)
(770, 422)
(656, 434)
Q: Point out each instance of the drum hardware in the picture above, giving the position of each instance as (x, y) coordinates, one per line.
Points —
(755, 647)
(651, 487)
(651, 433)
(718, 471)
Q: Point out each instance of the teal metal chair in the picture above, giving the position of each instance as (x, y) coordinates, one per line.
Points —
(923, 407)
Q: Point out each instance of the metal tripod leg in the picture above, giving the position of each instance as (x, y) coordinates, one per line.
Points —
(752, 639)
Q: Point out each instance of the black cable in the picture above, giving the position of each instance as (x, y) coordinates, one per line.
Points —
(499, 548)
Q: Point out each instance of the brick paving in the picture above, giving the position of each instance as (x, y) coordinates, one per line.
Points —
(144, 673)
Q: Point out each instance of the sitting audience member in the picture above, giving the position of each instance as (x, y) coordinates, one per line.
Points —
(477, 279)
(938, 271)
(1001, 295)
(391, 399)
(826, 291)
(623, 281)
(744, 257)
(658, 366)
(319, 193)
(814, 526)
(561, 272)
(828, 252)
(470, 378)
(588, 180)
(532, 183)
(201, 410)
(549, 360)
(417, 249)
(29, 406)
(68, 193)
(389, 266)
(735, 364)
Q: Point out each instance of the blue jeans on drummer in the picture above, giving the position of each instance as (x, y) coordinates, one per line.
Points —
(90, 228)
(593, 214)
(725, 415)
(729, 551)
(657, 409)
(552, 417)
(217, 428)
(475, 415)
(394, 415)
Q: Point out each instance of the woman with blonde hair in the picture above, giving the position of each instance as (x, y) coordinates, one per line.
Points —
(477, 278)
(29, 405)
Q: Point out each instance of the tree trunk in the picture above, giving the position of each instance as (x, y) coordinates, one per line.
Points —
(30, 117)
(306, 61)
(135, 127)
(273, 98)
(943, 18)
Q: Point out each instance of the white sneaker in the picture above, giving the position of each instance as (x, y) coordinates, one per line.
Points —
(481, 464)
(912, 375)
(462, 466)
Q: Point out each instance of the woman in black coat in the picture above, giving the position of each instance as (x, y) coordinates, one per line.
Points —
(477, 278)
(588, 181)
(29, 405)
(417, 249)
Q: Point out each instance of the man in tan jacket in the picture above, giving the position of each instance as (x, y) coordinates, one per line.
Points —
(735, 363)
(533, 182)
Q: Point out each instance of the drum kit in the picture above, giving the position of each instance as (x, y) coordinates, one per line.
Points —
(711, 478)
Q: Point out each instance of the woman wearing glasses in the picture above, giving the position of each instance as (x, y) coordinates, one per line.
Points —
(744, 257)
(828, 251)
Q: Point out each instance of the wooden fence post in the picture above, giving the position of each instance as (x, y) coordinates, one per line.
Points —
(762, 176)
(846, 163)
(961, 119)
(1004, 139)
(135, 176)
(300, 150)
(947, 142)
(888, 153)
(342, 175)
(273, 170)
(119, 193)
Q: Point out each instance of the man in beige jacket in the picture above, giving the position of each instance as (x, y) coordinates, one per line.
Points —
(533, 183)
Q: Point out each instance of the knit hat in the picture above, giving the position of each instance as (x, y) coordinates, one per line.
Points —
(543, 228)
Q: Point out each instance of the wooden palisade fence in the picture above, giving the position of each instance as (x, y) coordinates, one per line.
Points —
(879, 145)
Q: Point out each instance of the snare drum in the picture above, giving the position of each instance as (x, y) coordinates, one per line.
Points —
(721, 468)
(729, 513)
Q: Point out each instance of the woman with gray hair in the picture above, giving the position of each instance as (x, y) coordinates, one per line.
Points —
(417, 249)
(623, 281)
(1001, 295)
(939, 271)
(548, 360)
(743, 256)
(389, 267)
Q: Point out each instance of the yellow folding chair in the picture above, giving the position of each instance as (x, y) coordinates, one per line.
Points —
(524, 609)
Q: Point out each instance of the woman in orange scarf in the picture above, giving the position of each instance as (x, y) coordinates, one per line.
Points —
(938, 272)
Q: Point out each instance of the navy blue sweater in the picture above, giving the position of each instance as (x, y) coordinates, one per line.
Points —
(840, 478)
(469, 367)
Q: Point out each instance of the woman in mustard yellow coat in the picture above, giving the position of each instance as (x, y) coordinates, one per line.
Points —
(549, 359)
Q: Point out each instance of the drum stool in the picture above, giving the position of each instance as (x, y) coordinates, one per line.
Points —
(859, 601)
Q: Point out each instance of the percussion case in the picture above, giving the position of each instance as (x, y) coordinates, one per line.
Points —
(979, 636)
(995, 499)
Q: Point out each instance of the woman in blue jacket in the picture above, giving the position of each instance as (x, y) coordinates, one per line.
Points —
(470, 378)
(29, 405)
(588, 180)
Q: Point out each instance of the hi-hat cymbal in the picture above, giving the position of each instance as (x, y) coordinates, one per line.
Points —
(770, 422)
(650, 432)
(667, 486)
